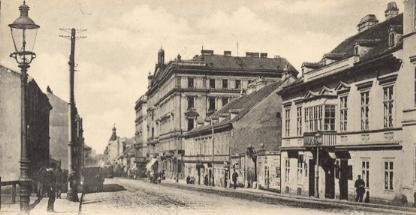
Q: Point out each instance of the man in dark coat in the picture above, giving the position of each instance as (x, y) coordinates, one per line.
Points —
(360, 189)
(235, 177)
(51, 186)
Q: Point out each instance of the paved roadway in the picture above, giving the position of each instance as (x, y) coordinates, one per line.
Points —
(139, 197)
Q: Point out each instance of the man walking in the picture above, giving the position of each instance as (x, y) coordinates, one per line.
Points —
(360, 189)
(51, 186)
(234, 176)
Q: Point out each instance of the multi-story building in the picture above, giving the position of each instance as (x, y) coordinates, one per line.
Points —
(141, 135)
(244, 136)
(38, 108)
(58, 129)
(353, 113)
(182, 91)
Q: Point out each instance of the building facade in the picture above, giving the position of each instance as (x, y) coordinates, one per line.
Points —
(181, 92)
(352, 113)
(38, 109)
(143, 152)
(244, 136)
(58, 129)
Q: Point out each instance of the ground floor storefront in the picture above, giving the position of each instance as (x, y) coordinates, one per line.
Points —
(384, 170)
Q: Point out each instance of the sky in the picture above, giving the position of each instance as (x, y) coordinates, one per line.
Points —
(123, 37)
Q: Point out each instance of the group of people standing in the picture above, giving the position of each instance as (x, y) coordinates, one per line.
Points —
(51, 182)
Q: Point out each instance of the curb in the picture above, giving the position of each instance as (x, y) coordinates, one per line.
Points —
(273, 198)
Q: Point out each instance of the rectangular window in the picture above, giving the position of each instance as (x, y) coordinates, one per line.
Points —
(237, 84)
(287, 122)
(287, 170)
(388, 175)
(225, 83)
(224, 101)
(343, 112)
(299, 121)
(300, 169)
(307, 120)
(388, 106)
(211, 83)
(211, 101)
(329, 118)
(190, 124)
(191, 102)
(190, 83)
(365, 167)
(365, 109)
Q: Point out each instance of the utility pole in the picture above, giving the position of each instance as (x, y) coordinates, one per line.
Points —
(73, 146)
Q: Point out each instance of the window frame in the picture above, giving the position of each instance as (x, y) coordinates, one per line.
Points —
(389, 175)
(225, 83)
(365, 172)
(365, 110)
(343, 113)
(212, 83)
(299, 121)
(287, 121)
(191, 83)
(237, 84)
(388, 106)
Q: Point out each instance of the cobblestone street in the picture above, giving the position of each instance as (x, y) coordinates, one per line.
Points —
(139, 197)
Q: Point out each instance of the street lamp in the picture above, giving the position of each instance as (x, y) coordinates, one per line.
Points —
(23, 31)
(317, 138)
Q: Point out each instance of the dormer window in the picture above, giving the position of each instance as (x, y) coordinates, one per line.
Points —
(356, 50)
(392, 39)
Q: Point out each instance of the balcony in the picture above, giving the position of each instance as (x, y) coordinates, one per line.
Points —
(321, 138)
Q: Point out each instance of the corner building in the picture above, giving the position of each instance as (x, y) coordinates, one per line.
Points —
(353, 113)
(182, 91)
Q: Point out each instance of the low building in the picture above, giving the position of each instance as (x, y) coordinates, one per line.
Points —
(243, 136)
(353, 113)
(38, 109)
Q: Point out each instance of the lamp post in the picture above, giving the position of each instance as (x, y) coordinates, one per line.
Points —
(23, 31)
(317, 143)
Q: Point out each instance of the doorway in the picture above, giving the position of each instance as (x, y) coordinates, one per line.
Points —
(343, 179)
(311, 177)
(329, 179)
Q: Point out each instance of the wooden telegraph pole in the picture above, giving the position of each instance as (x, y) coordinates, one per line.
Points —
(73, 171)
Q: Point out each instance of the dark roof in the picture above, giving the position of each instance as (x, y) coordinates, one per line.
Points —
(376, 37)
(245, 63)
(378, 33)
(244, 104)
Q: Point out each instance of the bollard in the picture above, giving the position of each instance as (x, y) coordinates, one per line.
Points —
(13, 193)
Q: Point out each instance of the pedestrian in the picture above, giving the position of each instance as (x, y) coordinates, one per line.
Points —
(359, 188)
(59, 181)
(235, 177)
(51, 186)
(206, 180)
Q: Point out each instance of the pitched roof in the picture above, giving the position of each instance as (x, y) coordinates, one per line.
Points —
(244, 104)
(377, 34)
(245, 63)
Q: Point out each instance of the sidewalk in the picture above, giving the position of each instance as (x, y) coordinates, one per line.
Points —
(292, 200)
(62, 206)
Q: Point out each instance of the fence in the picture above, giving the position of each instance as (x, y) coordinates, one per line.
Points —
(13, 190)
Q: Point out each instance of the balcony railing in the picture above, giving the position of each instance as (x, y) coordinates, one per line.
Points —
(321, 138)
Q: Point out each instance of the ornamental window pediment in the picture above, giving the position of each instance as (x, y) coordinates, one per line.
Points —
(342, 87)
(325, 91)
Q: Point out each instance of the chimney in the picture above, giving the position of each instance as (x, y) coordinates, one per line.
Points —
(149, 80)
(409, 25)
(227, 53)
(263, 55)
(207, 52)
(392, 10)
(252, 54)
(161, 57)
(367, 22)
